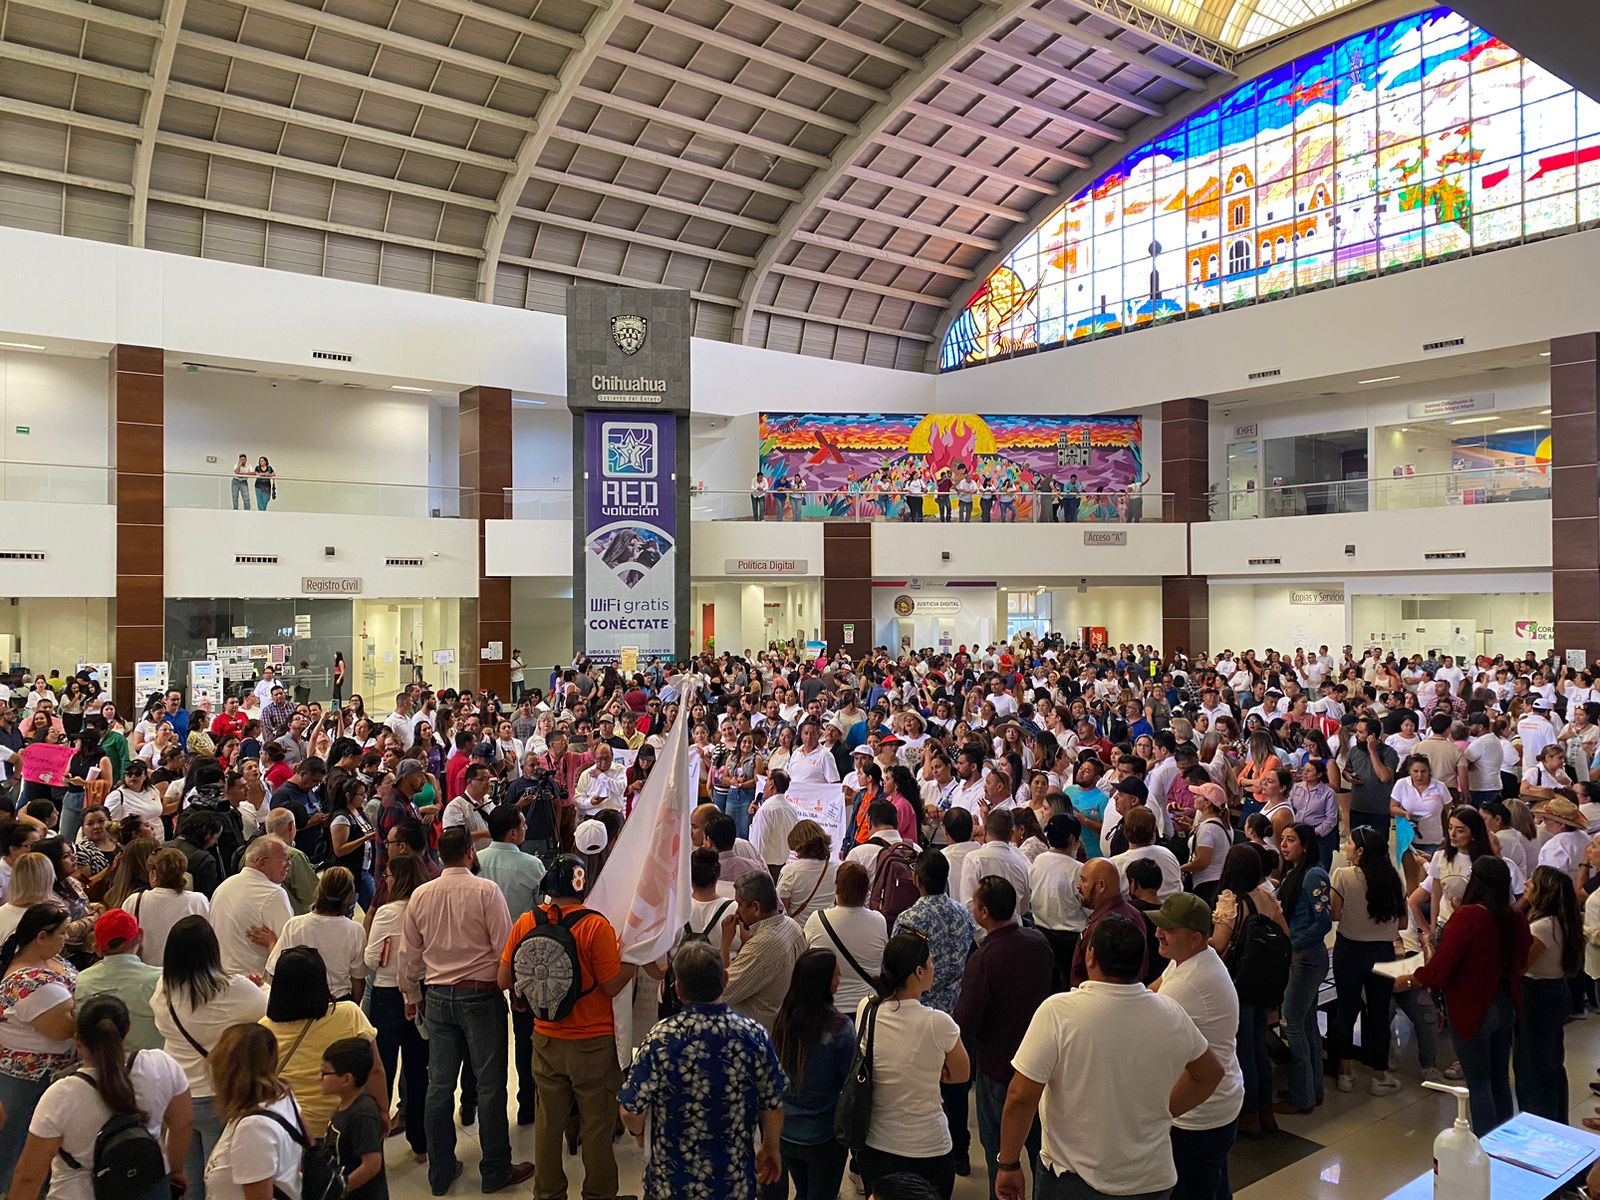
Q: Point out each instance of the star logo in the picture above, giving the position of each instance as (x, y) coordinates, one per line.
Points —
(630, 450)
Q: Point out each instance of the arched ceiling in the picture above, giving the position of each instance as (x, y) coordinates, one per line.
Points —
(824, 176)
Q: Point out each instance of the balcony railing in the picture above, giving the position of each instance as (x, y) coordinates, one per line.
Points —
(706, 505)
(55, 483)
(1489, 485)
(338, 497)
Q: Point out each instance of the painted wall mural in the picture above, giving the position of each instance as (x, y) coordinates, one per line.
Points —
(856, 464)
(1413, 142)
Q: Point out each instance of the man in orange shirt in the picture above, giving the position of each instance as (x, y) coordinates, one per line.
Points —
(575, 1058)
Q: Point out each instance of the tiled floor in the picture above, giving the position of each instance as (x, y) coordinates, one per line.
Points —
(1355, 1147)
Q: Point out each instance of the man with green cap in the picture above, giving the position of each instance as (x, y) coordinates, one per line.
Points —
(1198, 981)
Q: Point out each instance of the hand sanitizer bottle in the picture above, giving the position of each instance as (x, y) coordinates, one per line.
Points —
(1460, 1165)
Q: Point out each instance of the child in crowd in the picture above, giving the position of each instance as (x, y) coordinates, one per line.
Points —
(345, 1067)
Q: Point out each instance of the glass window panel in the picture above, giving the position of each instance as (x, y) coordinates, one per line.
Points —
(1355, 62)
(1501, 225)
(1549, 214)
(1447, 101)
(1497, 89)
(1589, 205)
(1549, 172)
(1552, 122)
(1355, 133)
(1539, 84)
(1496, 184)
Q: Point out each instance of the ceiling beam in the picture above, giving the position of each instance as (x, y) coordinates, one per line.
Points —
(73, 64)
(628, 195)
(257, 56)
(1019, 141)
(316, 170)
(1038, 104)
(915, 16)
(930, 192)
(905, 224)
(601, 25)
(965, 162)
(294, 219)
(721, 87)
(150, 121)
(1171, 34)
(95, 14)
(1091, 40)
(509, 21)
(874, 254)
(535, 264)
(73, 120)
(49, 175)
(350, 129)
(586, 140)
(841, 322)
(753, 53)
(857, 285)
(701, 128)
(870, 47)
(318, 18)
(634, 237)
(1088, 83)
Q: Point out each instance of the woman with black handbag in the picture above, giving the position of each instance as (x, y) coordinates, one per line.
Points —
(905, 1050)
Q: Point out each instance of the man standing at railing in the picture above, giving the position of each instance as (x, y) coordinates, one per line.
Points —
(1071, 497)
(759, 487)
(242, 474)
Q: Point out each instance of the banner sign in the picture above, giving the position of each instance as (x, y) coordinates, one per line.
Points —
(822, 803)
(629, 534)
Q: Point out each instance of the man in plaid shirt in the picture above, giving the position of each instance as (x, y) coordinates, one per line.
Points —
(275, 717)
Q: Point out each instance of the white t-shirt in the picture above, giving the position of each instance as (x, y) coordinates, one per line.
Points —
(864, 933)
(1006, 861)
(124, 802)
(1483, 763)
(1202, 987)
(1213, 833)
(462, 811)
(240, 902)
(72, 1110)
(909, 1043)
(10, 918)
(769, 829)
(341, 942)
(1053, 892)
(253, 1148)
(1104, 1108)
(798, 879)
(1171, 872)
(1517, 849)
(239, 1003)
(1447, 880)
(816, 767)
(157, 910)
(1423, 808)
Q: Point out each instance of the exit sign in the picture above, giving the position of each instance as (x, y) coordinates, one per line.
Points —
(23, 429)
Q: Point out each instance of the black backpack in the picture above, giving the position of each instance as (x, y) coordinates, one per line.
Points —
(1258, 958)
(545, 968)
(669, 984)
(127, 1160)
(321, 1176)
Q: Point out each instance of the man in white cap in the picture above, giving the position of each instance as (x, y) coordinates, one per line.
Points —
(1535, 732)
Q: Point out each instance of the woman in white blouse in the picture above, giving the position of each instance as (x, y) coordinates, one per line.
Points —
(330, 931)
(397, 1035)
(1423, 799)
(805, 885)
(164, 903)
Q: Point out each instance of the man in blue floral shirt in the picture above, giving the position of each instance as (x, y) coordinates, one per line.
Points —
(706, 1077)
(951, 934)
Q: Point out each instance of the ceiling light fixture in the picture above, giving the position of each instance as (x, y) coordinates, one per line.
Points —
(403, 387)
(1471, 420)
(20, 346)
(1544, 354)
(1381, 379)
(1521, 429)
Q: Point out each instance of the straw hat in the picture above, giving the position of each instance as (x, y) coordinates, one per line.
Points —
(1562, 810)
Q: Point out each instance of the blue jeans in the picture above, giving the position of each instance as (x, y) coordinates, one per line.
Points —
(1424, 1020)
(736, 803)
(1479, 799)
(816, 1171)
(366, 887)
(991, 1097)
(207, 1132)
(1541, 1049)
(1251, 1045)
(1201, 1157)
(20, 1097)
(241, 499)
(465, 1024)
(1486, 1064)
(1306, 973)
(71, 816)
(401, 1044)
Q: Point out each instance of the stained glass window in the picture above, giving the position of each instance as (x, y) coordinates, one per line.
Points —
(1414, 142)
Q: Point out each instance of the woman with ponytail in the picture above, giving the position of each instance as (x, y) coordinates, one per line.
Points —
(1369, 904)
(914, 1050)
(36, 1027)
(61, 1136)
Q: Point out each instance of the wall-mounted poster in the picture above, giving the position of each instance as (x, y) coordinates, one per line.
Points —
(630, 534)
(858, 464)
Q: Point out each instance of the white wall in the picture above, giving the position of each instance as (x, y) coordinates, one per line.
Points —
(994, 551)
(78, 541)
(62, 402)
(1493, 614)
(979, 620)
(541, 447)
(57, 633)
(201, 545)
(528, 548)
(1511, 297)
(724, 453)
(1127, 613)
(715, 542)
(1260, 615)
(1512, 536)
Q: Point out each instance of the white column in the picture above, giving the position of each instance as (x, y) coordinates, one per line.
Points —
(752, 618)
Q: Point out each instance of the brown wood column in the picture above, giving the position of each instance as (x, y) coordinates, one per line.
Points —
(1575, 492)
(485, 439)
(136, 387)
(847, 586)
(1186, 473)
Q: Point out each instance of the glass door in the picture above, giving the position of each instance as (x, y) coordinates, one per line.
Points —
(1244, 480)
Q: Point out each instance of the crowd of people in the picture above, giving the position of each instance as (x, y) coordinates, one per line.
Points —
(903, 492)
(1080, 899)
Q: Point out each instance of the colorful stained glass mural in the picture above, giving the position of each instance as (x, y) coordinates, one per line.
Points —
(1417, 141)
(853, 464)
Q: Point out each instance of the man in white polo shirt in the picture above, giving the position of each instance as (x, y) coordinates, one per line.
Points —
(1108, 1105)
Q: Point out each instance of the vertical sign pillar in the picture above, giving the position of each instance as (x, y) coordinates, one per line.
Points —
(485, 440)
(1186, 472)
(628, 389)
(1575, 493)
(137, 389)
(847, 589)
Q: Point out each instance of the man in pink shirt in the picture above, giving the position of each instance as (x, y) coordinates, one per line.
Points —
(565, 766)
